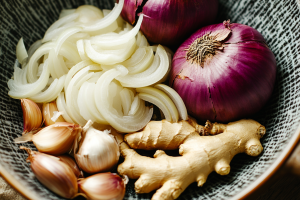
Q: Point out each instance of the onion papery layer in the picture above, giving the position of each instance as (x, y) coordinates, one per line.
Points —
(125, 124)
(166, 22)
(233, 83)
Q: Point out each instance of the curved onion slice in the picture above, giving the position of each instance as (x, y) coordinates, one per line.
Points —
(75, 69)
(66, 51)
(72, 95)
(163, 98)
(143, 42)
(114, 94)
(64, 36)
(60, 22)
(82, 105)
(51, 92)
(109, 57)
(81, 51)
(57, 65)
(21, 52)
(90, 101)
(135, 105)
(117, 41)
(20, 91)
(106, 21)
(127, 98)
(175, 98)
(156, 101)
(88, 13)
(138, 62)
(120, 123)
(62, 107)
(34, 47)
(152, 75)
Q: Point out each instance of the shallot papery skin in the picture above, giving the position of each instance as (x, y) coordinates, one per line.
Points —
(53, 173)
(103, 186)
(170, 22)
(233, 82)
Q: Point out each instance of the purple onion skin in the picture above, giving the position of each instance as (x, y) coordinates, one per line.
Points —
(235, 83)
(170, 22)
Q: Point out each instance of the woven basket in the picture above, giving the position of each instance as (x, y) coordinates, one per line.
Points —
(277, 20)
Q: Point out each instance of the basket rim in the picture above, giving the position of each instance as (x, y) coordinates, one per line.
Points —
(273, 168)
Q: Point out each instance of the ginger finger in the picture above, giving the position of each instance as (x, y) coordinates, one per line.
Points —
(160, 135)
(200, 155)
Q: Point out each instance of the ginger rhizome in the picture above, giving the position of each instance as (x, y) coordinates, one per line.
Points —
(200, 155)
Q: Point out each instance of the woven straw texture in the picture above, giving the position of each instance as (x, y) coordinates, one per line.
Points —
(277, 20)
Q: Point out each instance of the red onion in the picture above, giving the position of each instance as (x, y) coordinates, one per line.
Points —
(170, 22)
(223, 72)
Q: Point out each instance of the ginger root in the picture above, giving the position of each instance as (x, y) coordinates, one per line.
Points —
(200, 155)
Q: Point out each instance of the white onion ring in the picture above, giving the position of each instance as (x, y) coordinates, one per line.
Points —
(120, 123)
(51, 92)
(152, 75)
(19, 91)
(165, 99)
(175, 98)
(62, 107)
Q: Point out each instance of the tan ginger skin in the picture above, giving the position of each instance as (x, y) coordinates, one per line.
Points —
(200, 155)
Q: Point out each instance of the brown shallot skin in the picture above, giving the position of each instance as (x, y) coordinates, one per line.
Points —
(103, 186)
(53, 173)
(32, 115)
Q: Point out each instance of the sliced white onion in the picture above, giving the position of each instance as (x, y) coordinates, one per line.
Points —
(51, 92)
(64, 36)
(120, 123)
(60, 22)
(52, 64)
(40, 69)
(66, 12)
(62, 107)
(175, 98)
(72, 95)
(156, 101)
(34, 47)
(118, 41)
(109, 57)
(135, 105)
(90, 101)
(20, 91)
(126, 96)
(88, 13)
(78, 36)
(74, 70)
(82, 105)
(143, 42)
(163, 98)
(152, 75)
(142, 64)
(66, 50)
(81, 51)
(114, 94)
(106, 21)
(21, 52)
